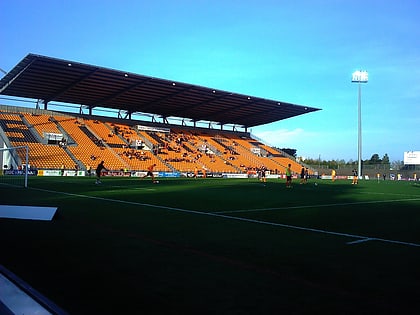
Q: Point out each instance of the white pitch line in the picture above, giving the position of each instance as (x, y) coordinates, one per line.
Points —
(219, 215)
(131, 187)
(388, 194)
(318, 205)
(360, 241)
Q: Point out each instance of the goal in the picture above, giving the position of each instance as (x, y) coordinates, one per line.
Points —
(14, 166)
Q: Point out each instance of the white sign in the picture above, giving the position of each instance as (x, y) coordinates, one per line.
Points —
(153, 129)
(412, 158)
(53, 136)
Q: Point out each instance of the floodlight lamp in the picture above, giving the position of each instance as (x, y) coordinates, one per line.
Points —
(360, 76)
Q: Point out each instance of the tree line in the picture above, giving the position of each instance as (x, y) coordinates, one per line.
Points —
(375, 160)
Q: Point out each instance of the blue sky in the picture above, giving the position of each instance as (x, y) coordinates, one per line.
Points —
(301, 52)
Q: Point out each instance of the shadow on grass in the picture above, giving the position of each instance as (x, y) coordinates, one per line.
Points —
(124, 247)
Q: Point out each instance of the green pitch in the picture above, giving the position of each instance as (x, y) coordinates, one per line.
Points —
(218, 246)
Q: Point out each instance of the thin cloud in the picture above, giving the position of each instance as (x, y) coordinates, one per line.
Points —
(283, 137)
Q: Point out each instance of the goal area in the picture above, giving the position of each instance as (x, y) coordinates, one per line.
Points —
(15, 166)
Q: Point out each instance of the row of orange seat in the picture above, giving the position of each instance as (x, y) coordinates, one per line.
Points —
(89, 141)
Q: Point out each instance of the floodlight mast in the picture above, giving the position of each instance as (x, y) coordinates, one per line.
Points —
(359, 76)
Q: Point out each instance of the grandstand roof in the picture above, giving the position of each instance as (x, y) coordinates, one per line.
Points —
(51, 79)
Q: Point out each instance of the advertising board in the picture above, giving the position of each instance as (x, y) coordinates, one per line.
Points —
(412, 158)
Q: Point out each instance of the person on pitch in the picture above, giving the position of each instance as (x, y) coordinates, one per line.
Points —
(306, 175)
(302, 175)
(99, 169)
(355, 177)
(150, 173)
(262, 174)
(289, 176)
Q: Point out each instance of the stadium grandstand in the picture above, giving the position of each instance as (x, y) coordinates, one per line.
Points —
(131, 121)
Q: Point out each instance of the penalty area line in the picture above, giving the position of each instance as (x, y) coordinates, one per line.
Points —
(295, 227)
(359, 238)
(317, 206)
(360, 241)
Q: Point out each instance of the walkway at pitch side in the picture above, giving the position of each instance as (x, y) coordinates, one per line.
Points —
(16, 296)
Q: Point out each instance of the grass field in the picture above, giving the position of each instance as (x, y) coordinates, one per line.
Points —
(218, 246)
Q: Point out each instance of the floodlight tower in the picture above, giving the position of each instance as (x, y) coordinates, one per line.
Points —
(359, 76)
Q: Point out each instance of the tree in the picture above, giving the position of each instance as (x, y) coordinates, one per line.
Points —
(375, 159)
(385, 159)
(396, 165)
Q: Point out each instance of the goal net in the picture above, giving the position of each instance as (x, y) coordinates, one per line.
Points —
(14, 166)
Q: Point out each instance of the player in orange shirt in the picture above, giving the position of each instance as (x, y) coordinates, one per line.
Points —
(150, 173)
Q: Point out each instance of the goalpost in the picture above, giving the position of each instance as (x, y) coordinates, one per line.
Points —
(14, 166)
